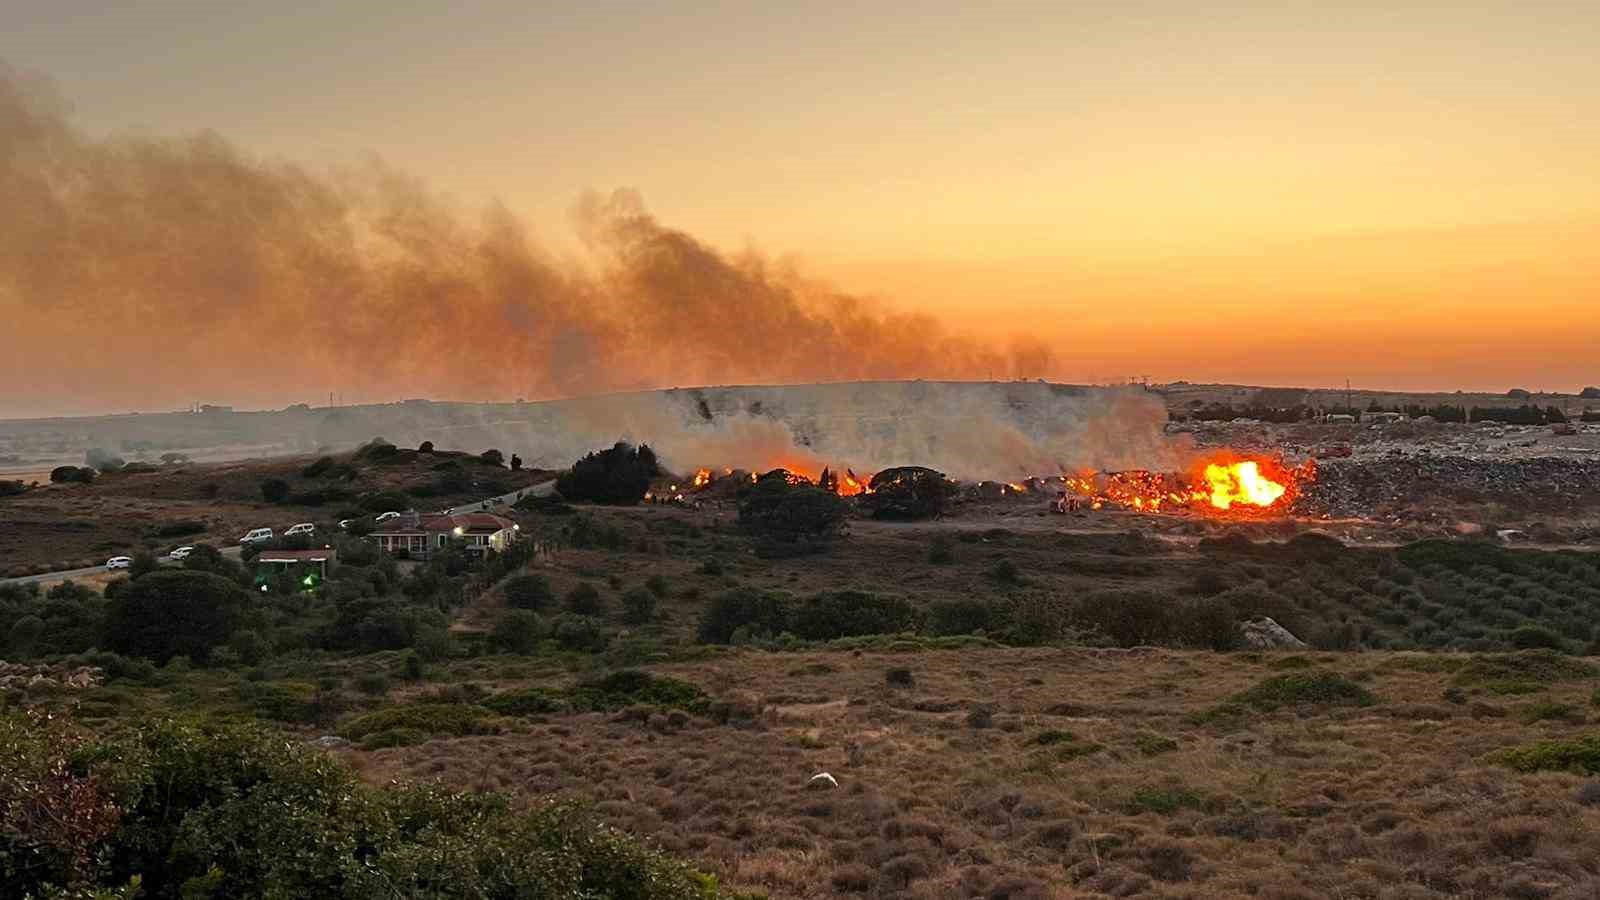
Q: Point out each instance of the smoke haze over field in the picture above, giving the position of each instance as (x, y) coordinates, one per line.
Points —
(146, 272)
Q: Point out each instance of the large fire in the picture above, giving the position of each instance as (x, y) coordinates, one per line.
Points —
(1223, 485)
(1220, 485)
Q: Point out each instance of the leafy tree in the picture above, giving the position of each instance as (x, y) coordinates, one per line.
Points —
(516, 632)
(638, 606)
(169, 613)
(425, 447)
(25, 633)
(908, 492)
(275, 490)
(528, 592)
(493, 457)
(143, 564)
(206, 558)
(12, 488)
(619, 476)
(585, 600)
(777, 506)
(1590, 393)
(757, 613)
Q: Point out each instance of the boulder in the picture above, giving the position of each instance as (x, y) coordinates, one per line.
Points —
(1265, 634)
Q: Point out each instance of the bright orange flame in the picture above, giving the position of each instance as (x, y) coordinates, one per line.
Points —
(702, 478)
(1241, 482)
(1235, 486)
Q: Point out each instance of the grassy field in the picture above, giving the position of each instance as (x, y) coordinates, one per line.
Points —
(1043, 773)
(1011, 705)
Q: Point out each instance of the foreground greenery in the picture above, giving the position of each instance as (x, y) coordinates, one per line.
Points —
(197, 808)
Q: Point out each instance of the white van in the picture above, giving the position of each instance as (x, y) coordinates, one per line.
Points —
(256, 536)
(302, 528)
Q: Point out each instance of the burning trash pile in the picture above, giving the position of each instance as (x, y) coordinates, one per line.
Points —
(1221, 485)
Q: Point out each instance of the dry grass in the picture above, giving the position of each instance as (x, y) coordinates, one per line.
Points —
(1392, 800)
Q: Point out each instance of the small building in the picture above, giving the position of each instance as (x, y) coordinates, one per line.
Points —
(1383, 417)
(418, 536)
(308, 566)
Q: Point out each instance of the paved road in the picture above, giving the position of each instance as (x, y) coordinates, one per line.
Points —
(538, 490)
(52, 577)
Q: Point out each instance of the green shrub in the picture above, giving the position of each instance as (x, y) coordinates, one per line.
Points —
(1543, 666)
(1053, 736)
(372, 683)
(850, 614)
(193, 808)
(638, 606)
(585, 600)
(899, 678)
(1530, 637)
(432, 719)
(1546, 711)
(518, 631)
(275, 490)
(962, 616)
(1511, 687)
(657, 585)
(1311, 689)
(579, 633)
(1167, 800)
(1580, 755)
(283, 701)
(411, 666)
(631, 687)
(941, 550)
(758, 613)
(526, 702)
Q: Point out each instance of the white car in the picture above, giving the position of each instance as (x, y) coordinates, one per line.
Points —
(119, 562)
(180, 553)
(256, 536)
(302, 528)
(384, 517)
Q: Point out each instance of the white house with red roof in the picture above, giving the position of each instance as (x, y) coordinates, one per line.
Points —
(419, 536)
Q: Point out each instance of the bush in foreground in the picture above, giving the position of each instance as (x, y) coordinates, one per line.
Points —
(191, 808)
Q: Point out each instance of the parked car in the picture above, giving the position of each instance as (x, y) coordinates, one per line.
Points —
(180, 553)
(384, 517)
(119, 562)
(256, 536)
(302, 528)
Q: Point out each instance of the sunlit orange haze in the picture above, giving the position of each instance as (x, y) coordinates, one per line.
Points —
(258, 207)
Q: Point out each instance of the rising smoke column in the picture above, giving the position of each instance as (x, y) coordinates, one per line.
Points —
(146, 272)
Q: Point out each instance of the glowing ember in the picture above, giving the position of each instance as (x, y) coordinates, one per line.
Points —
(702, 479)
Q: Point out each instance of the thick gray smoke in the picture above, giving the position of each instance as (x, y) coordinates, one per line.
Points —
(970, 431)
(139, 272)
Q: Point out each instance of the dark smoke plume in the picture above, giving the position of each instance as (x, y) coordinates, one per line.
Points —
(143, 271)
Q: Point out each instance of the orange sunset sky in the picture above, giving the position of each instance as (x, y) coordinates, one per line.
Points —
(1294, 193)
